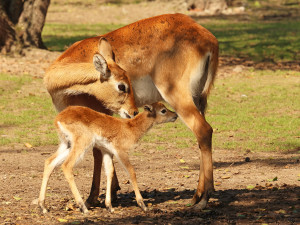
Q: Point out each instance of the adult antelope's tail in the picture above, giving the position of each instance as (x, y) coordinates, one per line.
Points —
(209, 71)
(211, 66)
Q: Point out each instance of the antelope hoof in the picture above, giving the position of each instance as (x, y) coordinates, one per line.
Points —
(110, 209)
(92, 203)
(83, 208)
(142, 205)
(201, 205)
(43, 209)
(200, 201)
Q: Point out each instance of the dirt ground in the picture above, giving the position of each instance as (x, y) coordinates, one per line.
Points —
(250, 187)
(264, 190)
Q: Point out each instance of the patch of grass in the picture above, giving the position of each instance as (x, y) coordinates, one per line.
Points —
(57, 37)
(258, 41)
(257, 111)
(25, 116)
(255, 40)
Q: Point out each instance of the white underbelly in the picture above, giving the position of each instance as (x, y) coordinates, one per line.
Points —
(145, 92)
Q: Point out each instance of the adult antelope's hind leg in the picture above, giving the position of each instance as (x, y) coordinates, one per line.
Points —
(192, 117)
(203, 132)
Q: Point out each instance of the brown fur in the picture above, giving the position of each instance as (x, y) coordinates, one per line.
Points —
(181, 59)
(81, 128)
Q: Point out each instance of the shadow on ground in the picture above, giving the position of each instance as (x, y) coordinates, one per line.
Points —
(260, 205)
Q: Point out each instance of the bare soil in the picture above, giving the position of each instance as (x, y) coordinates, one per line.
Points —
(265, 189)
(251, 187)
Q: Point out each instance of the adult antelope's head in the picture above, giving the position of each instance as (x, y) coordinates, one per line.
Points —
(118, 96)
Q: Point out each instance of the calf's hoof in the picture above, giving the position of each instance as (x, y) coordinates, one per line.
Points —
(110, 209)
(83, 208)
(142, 205)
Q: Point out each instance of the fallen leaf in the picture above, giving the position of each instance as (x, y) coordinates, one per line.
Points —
(62, 220)
(274, 179)
(182, 160)
(250, 187)
(173, 202)
(28, 145)
(281, 211)
(217, 183)
(241, 215)
(225, 177)
(206, 210)
(17, 198)
(184, 167)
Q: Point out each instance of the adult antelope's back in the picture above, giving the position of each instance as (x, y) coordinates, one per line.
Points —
(168, 57)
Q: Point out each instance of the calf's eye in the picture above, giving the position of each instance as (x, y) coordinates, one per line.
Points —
(163, 111)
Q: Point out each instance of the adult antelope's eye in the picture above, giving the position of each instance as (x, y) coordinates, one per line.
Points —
(122, 87)
(163, 111)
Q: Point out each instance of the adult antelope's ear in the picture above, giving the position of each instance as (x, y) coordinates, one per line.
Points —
(148, 108)
(105, 50)
(101, 66)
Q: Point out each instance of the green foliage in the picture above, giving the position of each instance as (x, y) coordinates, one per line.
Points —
(255, 40)
(58, 37)
(25, 117)
(256, 111)
(258, 41)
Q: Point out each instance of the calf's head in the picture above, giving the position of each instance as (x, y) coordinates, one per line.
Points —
(160, 113)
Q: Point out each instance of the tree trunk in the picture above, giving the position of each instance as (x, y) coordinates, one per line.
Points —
(21, 23)
(32, 21)
(7, 34)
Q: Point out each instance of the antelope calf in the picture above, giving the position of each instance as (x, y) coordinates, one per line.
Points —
(81, 128)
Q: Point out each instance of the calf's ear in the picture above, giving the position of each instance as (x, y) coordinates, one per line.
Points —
(148, 108)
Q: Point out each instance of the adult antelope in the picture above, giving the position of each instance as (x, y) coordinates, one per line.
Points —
(81, 128)
(168, 57)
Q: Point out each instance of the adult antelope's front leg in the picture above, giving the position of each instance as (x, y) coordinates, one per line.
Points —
(95, 189)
